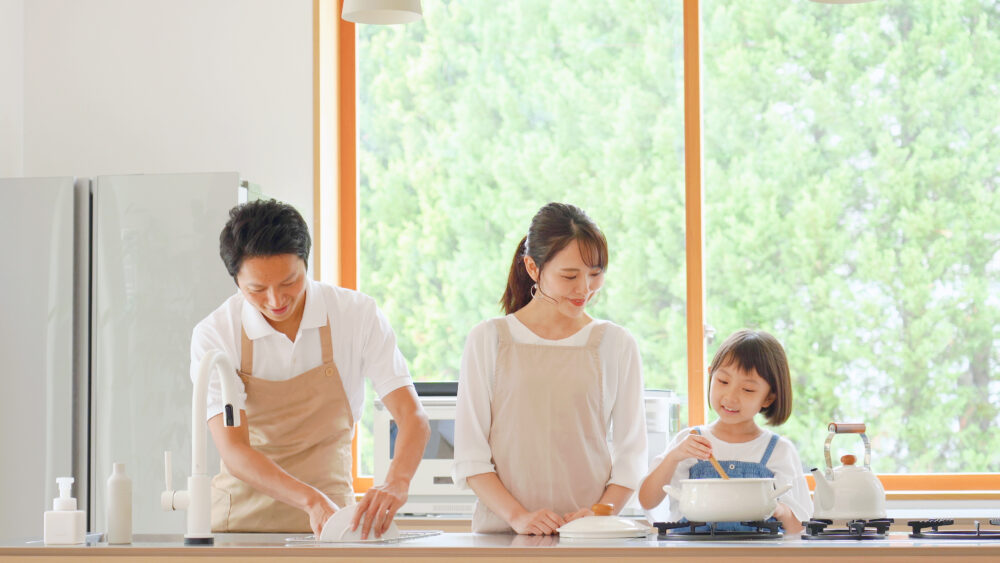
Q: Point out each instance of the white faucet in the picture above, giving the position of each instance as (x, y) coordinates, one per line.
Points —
(197, 499)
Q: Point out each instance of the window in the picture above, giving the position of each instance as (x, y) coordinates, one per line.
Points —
(850, 167)
(851, 171)
(473, 118)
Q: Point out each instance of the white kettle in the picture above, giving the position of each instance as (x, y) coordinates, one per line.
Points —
(848, 492)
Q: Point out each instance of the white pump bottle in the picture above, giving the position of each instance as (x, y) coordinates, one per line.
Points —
(64, 524)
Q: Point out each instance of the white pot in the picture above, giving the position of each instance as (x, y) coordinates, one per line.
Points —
(727, 500)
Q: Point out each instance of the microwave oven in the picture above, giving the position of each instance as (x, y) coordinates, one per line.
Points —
(432, 490)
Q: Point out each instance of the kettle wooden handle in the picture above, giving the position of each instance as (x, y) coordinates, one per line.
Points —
(601, 509)
(847, 427)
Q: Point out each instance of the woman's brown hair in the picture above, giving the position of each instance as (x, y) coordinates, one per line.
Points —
(552, 228)
(756, 350)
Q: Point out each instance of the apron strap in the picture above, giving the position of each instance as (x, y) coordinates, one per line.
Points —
(503, 330)
(326, 342)
(769, 450)
(246, 353)
(596, 334)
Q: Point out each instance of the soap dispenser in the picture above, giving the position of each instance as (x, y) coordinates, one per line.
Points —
(64, 524)
(119, 506)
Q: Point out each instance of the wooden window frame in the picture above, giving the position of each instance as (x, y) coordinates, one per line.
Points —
(943, 486)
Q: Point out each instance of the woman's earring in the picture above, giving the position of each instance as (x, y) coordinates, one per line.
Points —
(534, 290)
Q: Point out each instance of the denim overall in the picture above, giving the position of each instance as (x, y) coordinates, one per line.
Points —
(745, 469)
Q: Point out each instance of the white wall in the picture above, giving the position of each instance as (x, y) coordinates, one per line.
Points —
(134, 86)
(11, 87)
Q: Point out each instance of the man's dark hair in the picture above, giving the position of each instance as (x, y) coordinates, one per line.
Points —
(262, 228)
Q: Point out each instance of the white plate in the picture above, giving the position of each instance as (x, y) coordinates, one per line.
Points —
(337, 528)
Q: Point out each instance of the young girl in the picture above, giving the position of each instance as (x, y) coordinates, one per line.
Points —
(749, 374)
(540, 389)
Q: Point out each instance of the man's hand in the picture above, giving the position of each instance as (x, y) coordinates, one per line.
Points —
(379, 506)
(320, 510)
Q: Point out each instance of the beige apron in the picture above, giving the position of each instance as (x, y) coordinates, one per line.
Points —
(303, 424)
(548, 436)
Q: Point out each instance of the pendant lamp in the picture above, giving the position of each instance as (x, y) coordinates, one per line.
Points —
(381, 12)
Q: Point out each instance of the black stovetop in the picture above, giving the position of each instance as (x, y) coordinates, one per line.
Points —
(689, 531)
(820, 529)
(921, 531)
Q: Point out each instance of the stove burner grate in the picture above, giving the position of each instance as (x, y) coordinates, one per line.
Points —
(818, 529)
(677, 531)
(919, 528)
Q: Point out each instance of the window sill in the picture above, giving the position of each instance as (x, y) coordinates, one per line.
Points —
(942, 495)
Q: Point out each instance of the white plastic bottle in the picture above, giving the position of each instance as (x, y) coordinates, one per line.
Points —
(64, 524)
(119, 506)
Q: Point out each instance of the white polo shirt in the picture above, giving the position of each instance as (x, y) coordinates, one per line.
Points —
(364, 344)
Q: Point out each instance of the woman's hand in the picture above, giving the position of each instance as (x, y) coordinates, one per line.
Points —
(570, 516)
(320, 510)
(379, 506)
(538, 523)
(694, 445)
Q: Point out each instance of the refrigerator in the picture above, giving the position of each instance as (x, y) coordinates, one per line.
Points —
(101, 283)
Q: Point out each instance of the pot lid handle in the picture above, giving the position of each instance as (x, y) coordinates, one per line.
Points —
(601, 509)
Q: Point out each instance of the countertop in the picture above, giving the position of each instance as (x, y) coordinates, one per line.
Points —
(496, 547)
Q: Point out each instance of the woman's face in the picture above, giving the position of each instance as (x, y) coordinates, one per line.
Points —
(274, 285)
(567, 279)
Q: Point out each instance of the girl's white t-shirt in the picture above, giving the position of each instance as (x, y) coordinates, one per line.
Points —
(784, 462)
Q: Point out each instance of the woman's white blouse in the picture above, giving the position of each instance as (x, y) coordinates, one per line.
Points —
(624, 410)
(364, 344)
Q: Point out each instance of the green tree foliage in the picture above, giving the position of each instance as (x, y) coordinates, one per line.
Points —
(851, 171)
(852, 168)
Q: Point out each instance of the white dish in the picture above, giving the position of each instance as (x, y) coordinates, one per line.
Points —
(338, 528)
(603, 527)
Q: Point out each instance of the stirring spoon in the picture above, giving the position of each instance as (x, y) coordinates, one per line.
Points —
(712, 460)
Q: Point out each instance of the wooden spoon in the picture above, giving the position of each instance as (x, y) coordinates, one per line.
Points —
(712, 460)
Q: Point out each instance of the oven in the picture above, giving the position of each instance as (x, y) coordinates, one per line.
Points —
(432, 490)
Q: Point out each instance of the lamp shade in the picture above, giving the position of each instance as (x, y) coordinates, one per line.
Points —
(382, 11)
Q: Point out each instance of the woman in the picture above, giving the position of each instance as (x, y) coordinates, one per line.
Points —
(542, 387)
(303, 349)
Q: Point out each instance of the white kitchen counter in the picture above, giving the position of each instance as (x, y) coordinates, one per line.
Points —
(486, 547)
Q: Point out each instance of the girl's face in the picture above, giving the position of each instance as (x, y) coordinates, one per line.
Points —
(274, 285)
(737, 395)
(567, 279)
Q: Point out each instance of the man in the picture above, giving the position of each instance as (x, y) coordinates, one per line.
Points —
(303, 349)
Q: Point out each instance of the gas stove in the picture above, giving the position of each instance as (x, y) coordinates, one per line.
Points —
(819, 529)
(920, 530)
(689, 531)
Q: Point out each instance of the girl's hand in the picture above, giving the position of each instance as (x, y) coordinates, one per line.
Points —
(787, 518)
(695, 445)
(538, 523)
